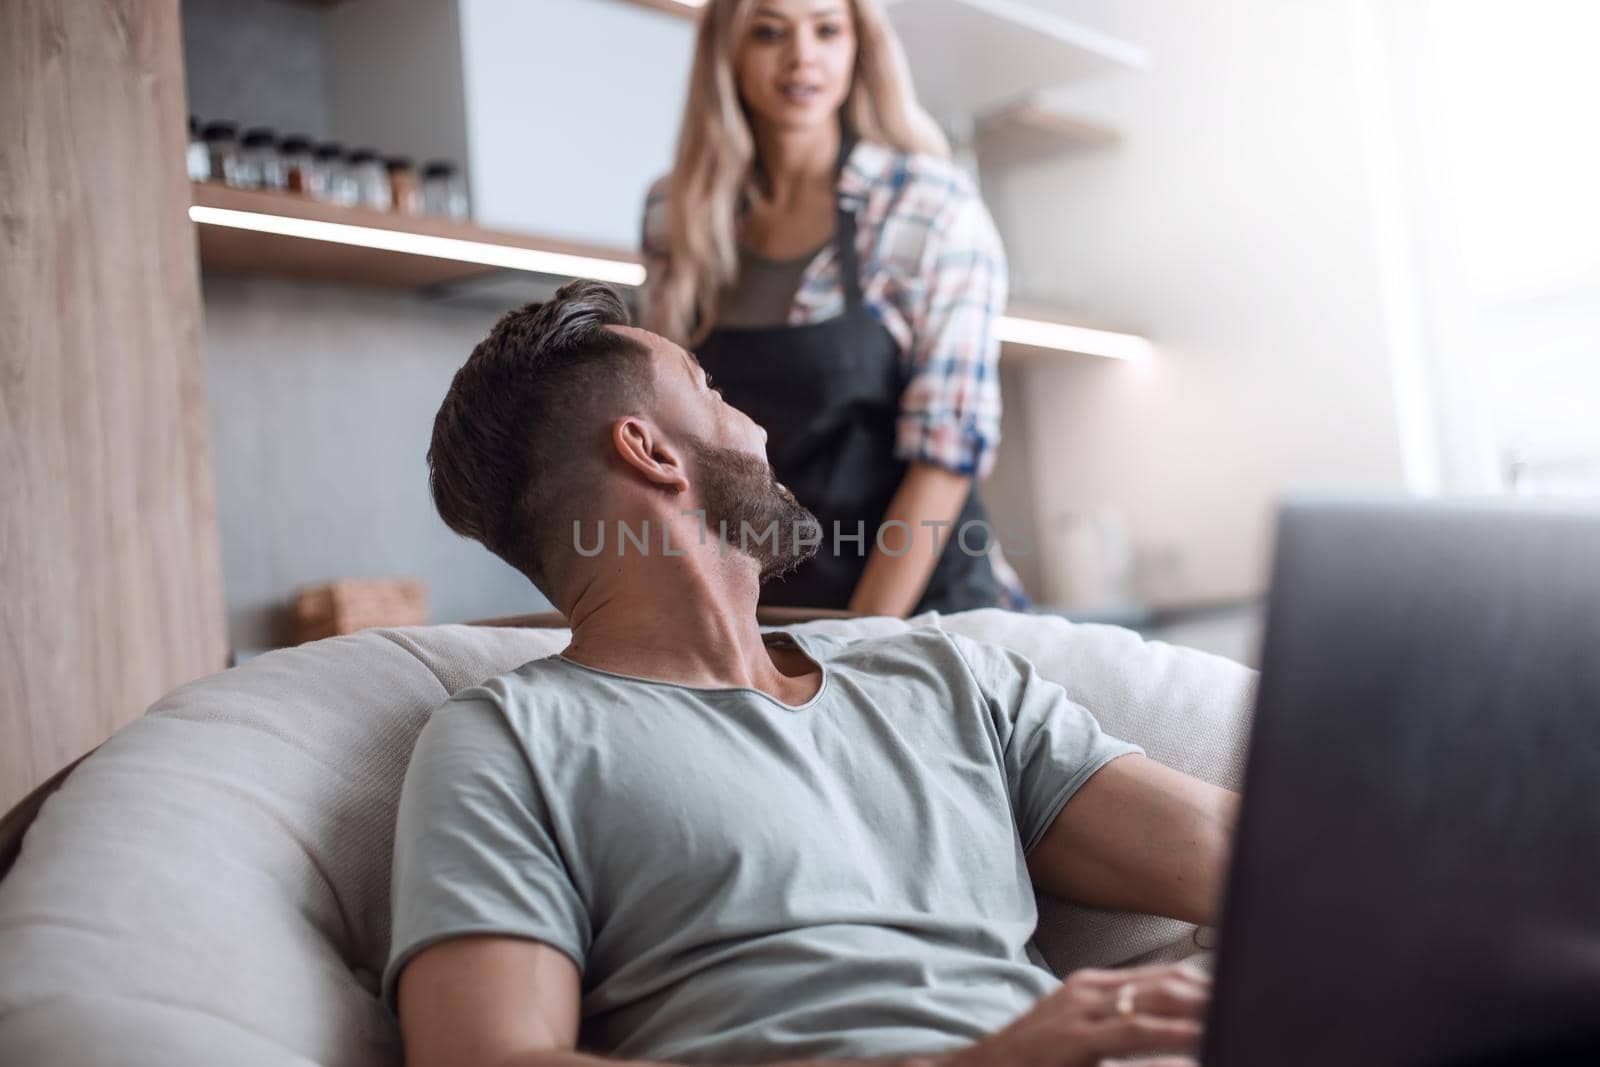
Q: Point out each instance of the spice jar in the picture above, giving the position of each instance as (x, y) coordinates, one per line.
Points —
(405, 187)
(197, 158)
(260, 167)
(298, 165)
(332, 180)
(222, 145)
(371, 179)
(443, 191)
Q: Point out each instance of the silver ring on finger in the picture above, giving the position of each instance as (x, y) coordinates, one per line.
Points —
(1124, 1003)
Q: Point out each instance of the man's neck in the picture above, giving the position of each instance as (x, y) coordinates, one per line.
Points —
(689, 620)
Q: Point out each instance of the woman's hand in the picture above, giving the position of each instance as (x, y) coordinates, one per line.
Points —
(1097, 1016)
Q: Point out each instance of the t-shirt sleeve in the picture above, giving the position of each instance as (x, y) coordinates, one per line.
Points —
(1049, 745)
(475, 852)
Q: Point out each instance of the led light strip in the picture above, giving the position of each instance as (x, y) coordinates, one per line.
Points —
(1065, 338)
(618, 272)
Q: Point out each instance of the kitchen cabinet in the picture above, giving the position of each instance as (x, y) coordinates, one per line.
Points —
(971, 57)
(982, 68)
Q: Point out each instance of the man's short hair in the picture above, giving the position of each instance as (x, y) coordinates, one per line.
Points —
(512, 462)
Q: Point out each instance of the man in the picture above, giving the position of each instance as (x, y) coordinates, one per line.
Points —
(683, 841)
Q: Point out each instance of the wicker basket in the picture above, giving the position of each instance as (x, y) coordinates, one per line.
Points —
(351, 604)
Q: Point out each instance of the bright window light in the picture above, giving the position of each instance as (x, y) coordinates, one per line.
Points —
(1066, 338)
(618, 272)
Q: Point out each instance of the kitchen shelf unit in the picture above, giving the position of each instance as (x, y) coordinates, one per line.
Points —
(971, 57)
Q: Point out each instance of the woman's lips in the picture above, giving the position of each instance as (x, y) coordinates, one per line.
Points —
(800, 94)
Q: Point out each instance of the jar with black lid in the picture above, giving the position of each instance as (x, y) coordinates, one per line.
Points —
(298, 165)
(197, 159)
(333, 181)
(405, 188)
(261, 168)
(371, 179)
(444, 193)
(222, 145)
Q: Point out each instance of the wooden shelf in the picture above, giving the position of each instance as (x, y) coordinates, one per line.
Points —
(1032, 130)
(320, 247)
(969, 57)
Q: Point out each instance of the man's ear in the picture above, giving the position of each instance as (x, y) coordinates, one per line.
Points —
(642, 447)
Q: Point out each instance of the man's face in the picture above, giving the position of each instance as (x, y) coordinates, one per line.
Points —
(729, 471)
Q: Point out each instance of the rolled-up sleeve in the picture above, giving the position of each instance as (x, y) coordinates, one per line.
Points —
(950, 409)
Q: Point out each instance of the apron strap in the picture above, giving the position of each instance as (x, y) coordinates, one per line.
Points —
(845, 249)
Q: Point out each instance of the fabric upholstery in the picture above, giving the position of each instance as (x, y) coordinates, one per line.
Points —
(212, 885)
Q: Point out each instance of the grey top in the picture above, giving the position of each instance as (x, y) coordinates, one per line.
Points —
(739, 879)
(764, 292)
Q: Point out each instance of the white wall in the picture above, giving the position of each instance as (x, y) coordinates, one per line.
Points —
(572, 111)
(1235, 227)
(322, 401)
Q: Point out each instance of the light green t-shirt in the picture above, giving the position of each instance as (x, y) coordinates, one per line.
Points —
(740, 880)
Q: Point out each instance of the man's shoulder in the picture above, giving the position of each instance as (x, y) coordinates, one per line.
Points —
(980, 661)
(508, 685)
(927, 645)
(505, 698)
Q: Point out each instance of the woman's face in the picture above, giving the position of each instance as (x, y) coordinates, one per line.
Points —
(796, 61)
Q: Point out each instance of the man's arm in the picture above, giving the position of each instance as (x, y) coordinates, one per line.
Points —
(1139, 836)
(490, 1001)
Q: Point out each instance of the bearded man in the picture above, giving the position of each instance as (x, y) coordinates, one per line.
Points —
(684, 840)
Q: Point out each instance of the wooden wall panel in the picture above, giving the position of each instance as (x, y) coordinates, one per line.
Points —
(110, 584)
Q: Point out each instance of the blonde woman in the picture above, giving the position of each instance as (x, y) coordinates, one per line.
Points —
(839, 279)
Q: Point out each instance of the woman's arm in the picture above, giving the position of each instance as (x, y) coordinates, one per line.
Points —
(953, 291)
(894, 580)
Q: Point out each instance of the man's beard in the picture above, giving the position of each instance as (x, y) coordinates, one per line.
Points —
(744, 499)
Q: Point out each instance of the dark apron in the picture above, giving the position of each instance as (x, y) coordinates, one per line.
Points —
(828, 395)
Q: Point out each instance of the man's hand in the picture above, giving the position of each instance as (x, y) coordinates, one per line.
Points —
(1098, 1015)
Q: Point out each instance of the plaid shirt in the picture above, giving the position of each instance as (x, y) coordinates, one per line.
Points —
(934, 273)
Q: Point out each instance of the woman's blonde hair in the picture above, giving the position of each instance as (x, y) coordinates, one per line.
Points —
(715, 165)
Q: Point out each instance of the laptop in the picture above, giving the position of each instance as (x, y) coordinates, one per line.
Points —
(1416, 874)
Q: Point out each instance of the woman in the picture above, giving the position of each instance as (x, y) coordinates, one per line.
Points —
(839, 279)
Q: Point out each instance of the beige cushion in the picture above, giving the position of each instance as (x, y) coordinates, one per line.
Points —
(212, 885)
